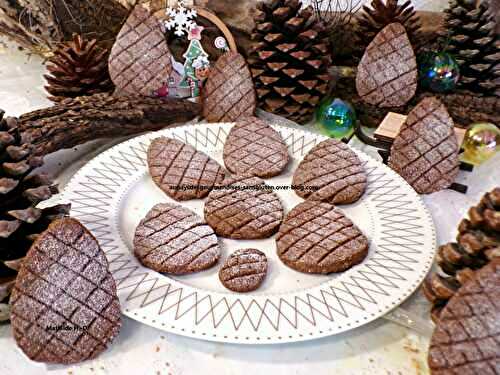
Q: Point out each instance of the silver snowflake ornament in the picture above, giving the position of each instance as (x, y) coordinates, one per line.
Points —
(181, 19)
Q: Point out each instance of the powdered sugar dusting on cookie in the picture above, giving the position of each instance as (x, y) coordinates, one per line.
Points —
(173, 239)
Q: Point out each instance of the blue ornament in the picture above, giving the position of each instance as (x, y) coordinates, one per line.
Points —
(335, 118)
(438, 71)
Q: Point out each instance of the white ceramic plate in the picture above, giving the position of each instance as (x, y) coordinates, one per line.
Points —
(113, 192)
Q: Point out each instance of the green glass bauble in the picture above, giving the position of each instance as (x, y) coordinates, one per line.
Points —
(335, 118)
(438, 71)
(481, 142)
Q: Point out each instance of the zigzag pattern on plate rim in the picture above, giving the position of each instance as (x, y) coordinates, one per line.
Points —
(332, 301)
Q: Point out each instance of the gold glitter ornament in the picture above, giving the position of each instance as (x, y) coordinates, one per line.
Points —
(481, 142)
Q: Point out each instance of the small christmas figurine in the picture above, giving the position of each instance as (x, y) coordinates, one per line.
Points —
(196, 59)
(196, 65)
(171, 85)
(201, 67)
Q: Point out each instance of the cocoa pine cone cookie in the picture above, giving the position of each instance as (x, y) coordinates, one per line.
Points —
(244, 270)
(316, 237)
(467, 336)
(425, 152)
(243, 207)
(140, 60)
(64, 304)
(254, 147)
(228, 93)
(173, 239)
(181, 171)
(330, 172)
(387, 73)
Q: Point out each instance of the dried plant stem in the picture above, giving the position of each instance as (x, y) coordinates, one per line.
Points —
(76, 121)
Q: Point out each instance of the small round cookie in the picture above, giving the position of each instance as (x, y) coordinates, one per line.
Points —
(181, 171)
(244, 270)
(330, 172)
(173, 239)
(243, 207)
(316, 237)
(254, 147)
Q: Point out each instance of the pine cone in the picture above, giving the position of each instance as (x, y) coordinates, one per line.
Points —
(478, 242)
(289, 59)
(78, 68)
(476, 45)
(20, 193)
(372, 20)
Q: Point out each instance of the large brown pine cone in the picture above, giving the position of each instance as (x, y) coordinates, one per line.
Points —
(475, 42)
(371, 20)
(289, 59)
(21, 191)
(78, 68)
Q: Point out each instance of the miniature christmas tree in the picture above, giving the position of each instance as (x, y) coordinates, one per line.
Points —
(194, 53)
(181, 20)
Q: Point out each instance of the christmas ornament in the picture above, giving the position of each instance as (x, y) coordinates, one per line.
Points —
(289, 59)
(335, 118)
(438, 71)
(140, 60)
(21, 190)
(181, 19)
(425, 152)
(372, 20)
(478, 242)
(481, 142)
(196, 64)
(221, 43)
(387, 73)
(474, 41)
(78, 68)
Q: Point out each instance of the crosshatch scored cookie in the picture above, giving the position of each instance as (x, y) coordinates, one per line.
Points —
(173, 239)
(64, 282)
(387, 73)
(242, 207)
(229, 91)
(316, 237)
(244, 270)
(330, 172)
(140, 59)
(467, 335)
(425, 152)
(181, 171)
(254, 147)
